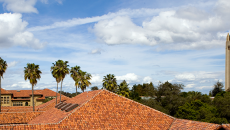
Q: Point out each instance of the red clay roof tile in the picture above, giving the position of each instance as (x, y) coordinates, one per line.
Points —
(102, 109)
(182, 124)
(3, 91)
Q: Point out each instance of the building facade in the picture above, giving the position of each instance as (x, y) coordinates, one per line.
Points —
(24, 97)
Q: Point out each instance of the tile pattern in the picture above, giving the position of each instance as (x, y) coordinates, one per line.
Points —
(183, 124)
(3, 91)
(55, 115)
(226, 126)
(111, 111)
(42, 107)
(23, 93)
(19, 117)
(105, 110)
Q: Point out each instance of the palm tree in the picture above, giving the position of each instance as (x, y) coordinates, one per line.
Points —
(84, 82)
(61, 70)
(123, 89)
(56, 75)
(32, 73)
(3, 67)
(80, 77)
(75, 75)
(110, 82)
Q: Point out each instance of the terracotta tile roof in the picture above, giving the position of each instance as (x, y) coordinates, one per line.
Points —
(55, 115)
(47, 92)
(19, 117)
(3, 91)
(182, 124)
(24, 93)
(226, 126)
(51, 104)
(102, 109)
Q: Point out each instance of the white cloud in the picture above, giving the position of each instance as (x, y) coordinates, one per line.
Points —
(201, 76)
(129, 77)
(14, 33)
(96, 51)
(185, 76)
(187, 28)
(47, 1)
(96, 79)
(20, 6)
(147, 79)
(134, 13)
(12, 64)
(122, 30)
(25, 84)
(205, 87)
(190, 85)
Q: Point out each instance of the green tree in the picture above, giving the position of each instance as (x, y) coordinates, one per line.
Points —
(75, 74)
(32, 73)
(84, 82)
(94, 88)
(3, 67)
(169, 96)
(199, 111)
(134, 94)
(222, 103)
(110, 82)
(218, 87)
(123, 89)
(55, 73)
(154, 104)
(147, 89)
(61, 70)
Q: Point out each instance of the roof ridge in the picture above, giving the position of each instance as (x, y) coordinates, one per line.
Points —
(79, 107)
(172, 123)
(140, 104)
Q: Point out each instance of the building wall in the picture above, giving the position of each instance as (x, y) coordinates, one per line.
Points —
(36, 103)
(6, 99)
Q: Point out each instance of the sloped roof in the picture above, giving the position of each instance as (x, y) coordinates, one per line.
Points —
(226, 126)
(102, 109)
(24, 93)
(193, 125)
(55, 115)
(3, 91)
(18, 117)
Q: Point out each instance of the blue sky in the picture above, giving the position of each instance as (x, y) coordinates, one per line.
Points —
(179, 41)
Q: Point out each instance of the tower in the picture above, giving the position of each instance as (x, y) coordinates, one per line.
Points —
(227, 64)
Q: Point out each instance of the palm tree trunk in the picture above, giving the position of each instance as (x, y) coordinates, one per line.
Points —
(56, 93)
(33, 96)
(0, 95)
(76, 90)
(61, 89)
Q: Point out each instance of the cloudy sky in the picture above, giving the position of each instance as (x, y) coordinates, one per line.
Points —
(140, 41)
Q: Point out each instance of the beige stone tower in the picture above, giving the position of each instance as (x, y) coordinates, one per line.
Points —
(227, 64)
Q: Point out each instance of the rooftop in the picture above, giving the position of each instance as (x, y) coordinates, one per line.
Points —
(101, 109)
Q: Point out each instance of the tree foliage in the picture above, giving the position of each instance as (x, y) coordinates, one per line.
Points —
(32, 73)
(94, 88)
(110, 82)
(218, 87)
(123, 89)
(3, 67)
(60, 70)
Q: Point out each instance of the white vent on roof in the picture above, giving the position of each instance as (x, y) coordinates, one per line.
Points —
(18, 90)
